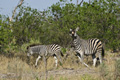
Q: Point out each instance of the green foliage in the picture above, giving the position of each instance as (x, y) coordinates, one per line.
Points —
(36, 78)
(32, 41)
(5, 33)
(96, 20)
(27, 25)
(64, 50)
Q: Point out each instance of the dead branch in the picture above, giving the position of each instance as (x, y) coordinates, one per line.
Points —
(77, 2)
(14, 11)
(81, 2)
(89, 1)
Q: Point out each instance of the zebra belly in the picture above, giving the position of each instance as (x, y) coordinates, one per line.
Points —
(88, 52)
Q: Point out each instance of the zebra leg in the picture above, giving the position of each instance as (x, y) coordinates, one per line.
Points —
(80, 57)
(37, 61)
(45, 61)
(94, 60)
(99, 52)
(100, 58)
(56, 61)
(60, 59)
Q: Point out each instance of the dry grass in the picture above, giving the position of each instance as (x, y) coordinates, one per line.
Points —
(17, 68)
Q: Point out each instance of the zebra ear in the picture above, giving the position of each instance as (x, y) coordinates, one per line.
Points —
(77, 29)
(70, 29)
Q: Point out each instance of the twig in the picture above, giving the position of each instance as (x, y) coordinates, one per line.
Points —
(81, 2)
(14, 11)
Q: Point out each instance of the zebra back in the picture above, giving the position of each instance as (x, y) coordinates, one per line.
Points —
(37, 49)
(42, 49)
(32, 45)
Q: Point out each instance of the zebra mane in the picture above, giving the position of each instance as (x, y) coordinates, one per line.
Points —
(33, 45)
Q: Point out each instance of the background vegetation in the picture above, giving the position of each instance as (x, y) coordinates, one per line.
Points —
(97, 19)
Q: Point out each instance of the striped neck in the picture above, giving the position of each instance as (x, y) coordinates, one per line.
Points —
(77, 41)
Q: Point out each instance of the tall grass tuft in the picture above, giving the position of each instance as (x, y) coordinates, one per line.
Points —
(51, 78)
(103, 71)
(61, 78)
(117, 70)
(86, 77)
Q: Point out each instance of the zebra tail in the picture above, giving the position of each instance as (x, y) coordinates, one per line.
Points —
(61, 54)
(27, 47)
(103, 53)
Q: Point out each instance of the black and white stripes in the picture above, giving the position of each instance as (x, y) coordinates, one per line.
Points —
(45, 51)
(82, 47)
(87, 47)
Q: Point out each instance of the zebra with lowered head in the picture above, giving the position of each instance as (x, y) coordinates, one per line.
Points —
(83, 47)
(45, 51)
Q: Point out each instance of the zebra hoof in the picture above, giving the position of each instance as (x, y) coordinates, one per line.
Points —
(35, 66)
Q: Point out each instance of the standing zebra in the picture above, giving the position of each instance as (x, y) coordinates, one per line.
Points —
(45, 51)
(87, 47)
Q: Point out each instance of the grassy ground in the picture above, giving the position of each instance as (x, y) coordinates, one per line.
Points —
(16, 67)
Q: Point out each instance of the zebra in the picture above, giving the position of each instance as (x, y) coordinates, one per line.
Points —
(83, 47)
(45, 51)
